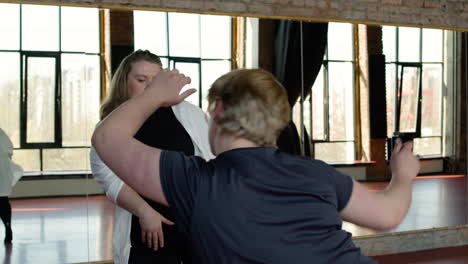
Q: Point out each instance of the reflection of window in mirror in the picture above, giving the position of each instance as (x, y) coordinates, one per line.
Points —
(408, 104)
(329, 113)
(425, 46)
(39, 34)
(50, 84)
(198, 45)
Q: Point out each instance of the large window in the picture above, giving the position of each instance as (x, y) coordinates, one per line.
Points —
(329, 111)
(198, 45)
(414, 56)
(49, 83)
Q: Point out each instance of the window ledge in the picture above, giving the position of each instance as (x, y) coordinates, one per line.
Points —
(76, 174)
(356, 163)
(431, 157)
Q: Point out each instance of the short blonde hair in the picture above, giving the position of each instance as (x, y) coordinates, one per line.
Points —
(256, 105)
(118, 92)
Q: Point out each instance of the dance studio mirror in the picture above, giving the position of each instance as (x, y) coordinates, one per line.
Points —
(338, 76)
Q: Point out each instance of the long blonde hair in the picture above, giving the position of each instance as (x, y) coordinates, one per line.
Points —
(118, 92)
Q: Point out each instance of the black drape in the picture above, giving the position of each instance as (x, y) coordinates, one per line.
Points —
(289, 63)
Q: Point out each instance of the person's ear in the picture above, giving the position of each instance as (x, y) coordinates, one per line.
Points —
(218, 109)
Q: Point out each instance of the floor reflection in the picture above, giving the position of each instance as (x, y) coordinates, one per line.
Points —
(438, 201)
(60, 230)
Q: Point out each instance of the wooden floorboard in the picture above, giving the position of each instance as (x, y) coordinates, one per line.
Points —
(452, 255)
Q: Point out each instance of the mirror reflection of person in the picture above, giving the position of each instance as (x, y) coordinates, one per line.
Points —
(143, 231)
(10, 173)
(253, 203)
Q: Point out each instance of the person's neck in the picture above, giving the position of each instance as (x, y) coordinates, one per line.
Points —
(230, 142)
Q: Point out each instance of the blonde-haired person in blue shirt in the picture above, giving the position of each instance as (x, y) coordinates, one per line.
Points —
(253, 203)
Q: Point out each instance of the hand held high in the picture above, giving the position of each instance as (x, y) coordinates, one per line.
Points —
(167, 85)
(404, 164)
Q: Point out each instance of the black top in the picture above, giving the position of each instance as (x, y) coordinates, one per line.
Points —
(260, 205)
(161, 130)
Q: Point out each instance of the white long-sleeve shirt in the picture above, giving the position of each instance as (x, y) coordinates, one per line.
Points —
(10, 172)
(194, 121)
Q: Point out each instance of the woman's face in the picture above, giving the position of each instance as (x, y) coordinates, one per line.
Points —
(141, 74)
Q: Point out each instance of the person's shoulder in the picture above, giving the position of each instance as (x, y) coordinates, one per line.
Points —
(5, 141)
(184, 162)
(182, 157)
(304, 160)
(3, 135)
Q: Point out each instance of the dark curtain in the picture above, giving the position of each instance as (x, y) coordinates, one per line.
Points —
(287, 69)
(118, 53)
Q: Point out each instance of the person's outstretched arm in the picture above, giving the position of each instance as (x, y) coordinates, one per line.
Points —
(386, 209)
(121, 194)
(134, 162)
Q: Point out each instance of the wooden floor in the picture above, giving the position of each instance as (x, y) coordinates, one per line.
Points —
(60, 230)
(79, 229)
(453, 255)
(438, 201)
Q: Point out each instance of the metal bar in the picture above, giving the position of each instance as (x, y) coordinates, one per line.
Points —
(301, 133)
(357, 95)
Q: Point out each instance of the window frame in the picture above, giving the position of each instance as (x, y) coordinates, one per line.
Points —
(195, 60)
(396, 63)
(326, 103)
(22, 103)
(398, 97)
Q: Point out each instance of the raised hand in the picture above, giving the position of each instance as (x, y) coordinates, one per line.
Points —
(404, 164)
(151, 228)
(166, 87)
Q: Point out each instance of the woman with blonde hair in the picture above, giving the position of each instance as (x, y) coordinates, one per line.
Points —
(253, 203)
(143, 231)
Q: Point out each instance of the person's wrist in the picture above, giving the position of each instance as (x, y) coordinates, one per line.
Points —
(154, 97)
(402, 178)
(140, 211)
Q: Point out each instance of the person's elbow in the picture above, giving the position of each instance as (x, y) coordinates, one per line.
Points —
(385, 226)
(388, 221)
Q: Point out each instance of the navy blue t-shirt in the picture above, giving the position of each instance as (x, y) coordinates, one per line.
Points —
(260, 205)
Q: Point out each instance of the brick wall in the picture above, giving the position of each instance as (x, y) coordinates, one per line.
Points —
(121, 34)
(433, 13)
(121, 27)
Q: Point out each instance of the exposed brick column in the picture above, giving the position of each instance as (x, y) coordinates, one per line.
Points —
(121, 27)
(377, 105)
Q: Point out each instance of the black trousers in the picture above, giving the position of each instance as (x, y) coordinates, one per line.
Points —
(5, 210)
(176, 247)
(166, 255)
